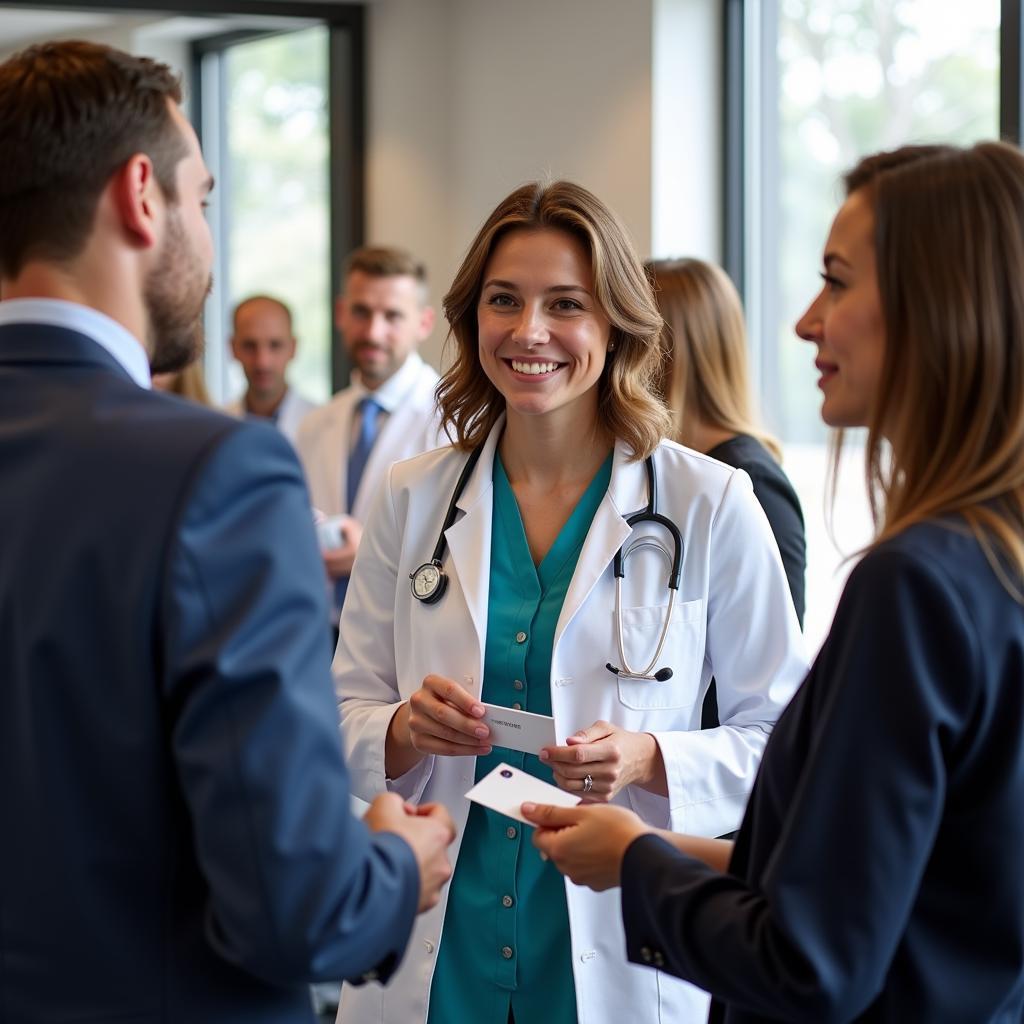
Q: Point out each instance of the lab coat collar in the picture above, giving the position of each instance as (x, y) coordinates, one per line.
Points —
(627, 488)
(469, 539)
(481, 479)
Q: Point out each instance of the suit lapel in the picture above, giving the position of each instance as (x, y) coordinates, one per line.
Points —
(391, 445)
(336, 444)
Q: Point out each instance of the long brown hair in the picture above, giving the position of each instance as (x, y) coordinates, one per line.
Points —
(705, 349)
(949, 240)
(628, 407)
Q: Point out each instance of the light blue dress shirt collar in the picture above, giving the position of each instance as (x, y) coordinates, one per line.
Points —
(117, 340)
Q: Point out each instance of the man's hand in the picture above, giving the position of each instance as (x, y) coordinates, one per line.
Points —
(586, 843)
(338, 561)
(428, 829)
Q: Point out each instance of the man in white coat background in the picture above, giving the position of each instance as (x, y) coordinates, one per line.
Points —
(386, 414)
(263, 343)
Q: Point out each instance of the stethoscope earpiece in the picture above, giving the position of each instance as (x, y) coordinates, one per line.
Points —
(663, 675)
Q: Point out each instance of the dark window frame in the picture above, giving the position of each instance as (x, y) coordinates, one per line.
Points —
(346, 104)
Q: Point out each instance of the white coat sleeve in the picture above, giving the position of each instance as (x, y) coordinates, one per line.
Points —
(365, 664)
(755, 651)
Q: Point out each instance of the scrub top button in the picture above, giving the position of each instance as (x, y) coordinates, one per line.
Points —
(507, 901)
(506, 952)
(520, 637)
(517, 685)
(510, 832)
(517, 706)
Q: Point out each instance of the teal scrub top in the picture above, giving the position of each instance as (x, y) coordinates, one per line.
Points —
(505, 943)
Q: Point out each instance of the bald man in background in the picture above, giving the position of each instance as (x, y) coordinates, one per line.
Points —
(264, 344)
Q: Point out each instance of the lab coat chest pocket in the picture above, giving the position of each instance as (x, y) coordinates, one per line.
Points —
(683, 653)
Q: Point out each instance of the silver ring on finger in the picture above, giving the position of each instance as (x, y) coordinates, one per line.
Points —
(588, 783)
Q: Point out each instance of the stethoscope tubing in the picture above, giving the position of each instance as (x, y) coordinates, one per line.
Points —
(433, 579)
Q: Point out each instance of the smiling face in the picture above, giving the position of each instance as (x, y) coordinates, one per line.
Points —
(543, 337)
(845, 320)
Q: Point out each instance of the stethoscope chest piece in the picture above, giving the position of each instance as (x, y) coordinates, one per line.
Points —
(429, 582)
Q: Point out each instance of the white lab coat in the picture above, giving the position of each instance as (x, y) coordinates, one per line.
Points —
(325, 439)
(293, 410)
(734, 619)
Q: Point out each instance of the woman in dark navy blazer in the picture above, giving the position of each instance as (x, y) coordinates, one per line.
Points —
(879, 871)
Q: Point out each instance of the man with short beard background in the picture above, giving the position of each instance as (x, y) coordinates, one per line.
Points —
(387, 413)
(177, 845)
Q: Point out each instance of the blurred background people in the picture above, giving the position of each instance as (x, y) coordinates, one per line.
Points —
(877, 875)
(706, 386)
(263, 343)
(388, 411)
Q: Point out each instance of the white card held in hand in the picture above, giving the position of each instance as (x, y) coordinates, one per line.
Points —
(506, 789)
(518, 730)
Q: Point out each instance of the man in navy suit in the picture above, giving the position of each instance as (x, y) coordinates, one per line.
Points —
(177, 844)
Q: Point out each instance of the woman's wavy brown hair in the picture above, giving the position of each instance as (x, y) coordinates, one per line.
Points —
(949, 242)
(705, 345)
(628, 406)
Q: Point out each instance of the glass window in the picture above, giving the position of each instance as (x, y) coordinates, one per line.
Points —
(838, 79)
(275, 221)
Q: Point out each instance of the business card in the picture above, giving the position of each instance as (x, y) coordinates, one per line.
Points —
(519, 730)
(506, 789)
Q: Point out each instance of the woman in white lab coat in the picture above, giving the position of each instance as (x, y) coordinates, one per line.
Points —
(556, 338)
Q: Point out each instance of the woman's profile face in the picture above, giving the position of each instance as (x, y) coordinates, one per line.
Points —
(845, 320)
(543, 336)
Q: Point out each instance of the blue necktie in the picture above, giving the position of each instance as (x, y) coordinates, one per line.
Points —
(359, 456)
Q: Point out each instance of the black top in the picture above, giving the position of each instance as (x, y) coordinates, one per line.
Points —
(780, 503)
(879, 871)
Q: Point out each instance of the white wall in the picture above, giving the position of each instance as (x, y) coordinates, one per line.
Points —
(470, 98)
(687, 129)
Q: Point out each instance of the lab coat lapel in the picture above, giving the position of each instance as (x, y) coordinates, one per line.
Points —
(627, 492)
(469, 538)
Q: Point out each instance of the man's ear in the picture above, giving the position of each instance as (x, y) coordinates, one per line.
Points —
(139, 201)
(427, 317)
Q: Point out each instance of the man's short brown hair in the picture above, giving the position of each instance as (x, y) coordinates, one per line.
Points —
(384, 261)
(71, 114)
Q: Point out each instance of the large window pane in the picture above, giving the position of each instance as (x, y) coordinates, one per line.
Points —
(850, 77)
(278, 221)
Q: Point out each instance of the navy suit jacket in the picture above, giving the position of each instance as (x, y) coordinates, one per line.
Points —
(176, 840)
(879, 872)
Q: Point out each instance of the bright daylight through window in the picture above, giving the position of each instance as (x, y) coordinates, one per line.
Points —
(848, 77)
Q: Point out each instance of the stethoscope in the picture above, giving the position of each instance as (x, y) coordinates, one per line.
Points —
(430, 581)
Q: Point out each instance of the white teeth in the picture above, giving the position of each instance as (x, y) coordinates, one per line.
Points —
(533, 368)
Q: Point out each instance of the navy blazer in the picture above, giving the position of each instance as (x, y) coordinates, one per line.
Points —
(879, 871)
(176, 840)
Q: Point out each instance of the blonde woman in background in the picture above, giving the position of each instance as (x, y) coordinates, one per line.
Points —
(706, 388)
(189, 383)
